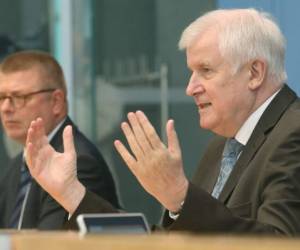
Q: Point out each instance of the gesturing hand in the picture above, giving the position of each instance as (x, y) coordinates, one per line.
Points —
(158, 168)
(54, 171)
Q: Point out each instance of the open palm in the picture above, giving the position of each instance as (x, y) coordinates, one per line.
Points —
(54, 171)
(157, 167)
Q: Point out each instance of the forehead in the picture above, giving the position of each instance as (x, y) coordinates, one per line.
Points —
(20, 81)
(204, 50)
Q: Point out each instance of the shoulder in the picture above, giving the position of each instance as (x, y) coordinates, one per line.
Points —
(11, 171)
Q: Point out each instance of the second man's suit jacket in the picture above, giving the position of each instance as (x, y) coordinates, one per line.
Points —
(262, 194)
(42, 211)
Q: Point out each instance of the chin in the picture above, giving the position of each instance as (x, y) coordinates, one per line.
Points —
(17, 137)
(213, 127)
(206, 124)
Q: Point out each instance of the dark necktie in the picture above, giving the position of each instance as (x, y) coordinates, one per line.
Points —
(24, 186)
(231, 152)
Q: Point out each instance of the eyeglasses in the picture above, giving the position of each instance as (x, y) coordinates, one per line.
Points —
(18, 101)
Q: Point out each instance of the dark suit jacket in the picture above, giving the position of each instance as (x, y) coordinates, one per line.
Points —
(42, 211)
(262, 194)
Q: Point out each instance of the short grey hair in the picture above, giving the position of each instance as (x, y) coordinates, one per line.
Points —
(244, 35)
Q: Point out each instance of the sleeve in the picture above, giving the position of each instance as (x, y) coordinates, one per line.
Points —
(52, 215)
(96, 179)
(91, 203)
(93, 173)
(202, 213)
(275, 207)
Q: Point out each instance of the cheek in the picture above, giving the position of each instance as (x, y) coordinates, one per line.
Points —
(34, 113)
(220, 112)
(224, 107)
(27, 120)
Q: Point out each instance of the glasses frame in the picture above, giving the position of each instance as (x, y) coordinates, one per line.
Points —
(19, 101)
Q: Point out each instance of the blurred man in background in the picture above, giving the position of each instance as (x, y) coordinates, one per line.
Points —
(32, 85)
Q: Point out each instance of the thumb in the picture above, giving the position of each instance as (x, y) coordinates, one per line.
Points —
(68, 140)
(173, 143)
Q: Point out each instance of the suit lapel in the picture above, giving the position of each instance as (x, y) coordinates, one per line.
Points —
(248, 153)
(209, 167)
(267, 121)
(13, 182)
(57, 140)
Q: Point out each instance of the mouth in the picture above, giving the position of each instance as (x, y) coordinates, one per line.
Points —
(203, 105)
(10, 123)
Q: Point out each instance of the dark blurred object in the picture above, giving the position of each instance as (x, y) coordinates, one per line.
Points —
(7, 46)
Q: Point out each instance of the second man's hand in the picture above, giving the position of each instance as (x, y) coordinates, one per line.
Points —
(157, 167)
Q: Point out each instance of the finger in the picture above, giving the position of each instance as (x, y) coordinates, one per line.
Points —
(68, 140)
(32, 156)
(149, 130)
(32, 139)
(38, 135)
(40, 126)
(173, 142)
(29, 149)
(133, 144)
(139, 133)
(126, 156)
(29, 135)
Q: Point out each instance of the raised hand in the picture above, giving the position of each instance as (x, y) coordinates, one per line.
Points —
(158, 168)
(54, 171)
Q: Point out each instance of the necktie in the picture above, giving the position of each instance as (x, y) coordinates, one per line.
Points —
(231, 152)
(24, 186)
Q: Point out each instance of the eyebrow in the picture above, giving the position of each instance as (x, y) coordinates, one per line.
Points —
(204, 63)
(15, 92)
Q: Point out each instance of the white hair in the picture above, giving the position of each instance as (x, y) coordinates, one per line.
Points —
(244, 35)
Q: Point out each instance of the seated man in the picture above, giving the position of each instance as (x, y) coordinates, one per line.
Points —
(32, 85)
(248, 180)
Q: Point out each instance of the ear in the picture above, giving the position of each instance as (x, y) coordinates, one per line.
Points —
(257, 70)
(58, 101)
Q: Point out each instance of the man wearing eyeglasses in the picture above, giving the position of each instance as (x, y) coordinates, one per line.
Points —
(32, 85)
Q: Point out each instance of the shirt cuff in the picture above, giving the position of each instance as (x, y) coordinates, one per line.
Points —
(175, 215)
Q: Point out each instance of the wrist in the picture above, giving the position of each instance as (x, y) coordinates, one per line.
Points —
(72, 196)
(180, 198)
(177, 212)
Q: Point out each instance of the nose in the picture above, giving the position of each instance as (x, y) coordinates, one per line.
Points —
(194, 86)
(6, 105)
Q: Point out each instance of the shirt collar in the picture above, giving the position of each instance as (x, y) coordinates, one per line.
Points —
(247, 128)
(53, 132)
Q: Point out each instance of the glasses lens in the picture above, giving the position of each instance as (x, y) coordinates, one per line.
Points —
(18, 101)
